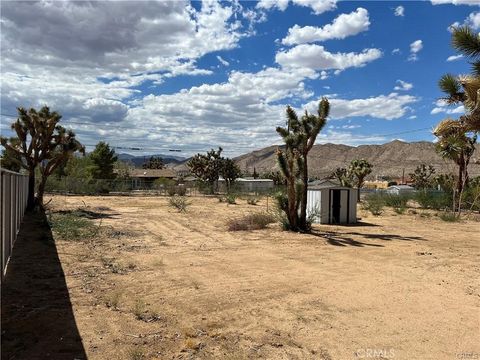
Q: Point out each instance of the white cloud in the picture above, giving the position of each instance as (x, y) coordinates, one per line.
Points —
(318, 6)
(396, 51)
(316, 57)
(400, 11)
(403, 86)
(455, 2)
(222, 61)
(454, 57)
(415, 48)
(388, 107)
(342, 26)
(444, 109)
(474, 20)
(323, 75)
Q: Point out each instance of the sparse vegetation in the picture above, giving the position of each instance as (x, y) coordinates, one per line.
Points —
(374, 203)
(252, 200)
(137, 354)
(179, 202)
(113, 300)
(255, 221)
(449, 216)
(72, 226)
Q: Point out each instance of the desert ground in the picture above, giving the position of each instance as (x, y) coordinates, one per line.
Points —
(154, 283)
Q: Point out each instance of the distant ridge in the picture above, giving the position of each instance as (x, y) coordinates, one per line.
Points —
(388, 159)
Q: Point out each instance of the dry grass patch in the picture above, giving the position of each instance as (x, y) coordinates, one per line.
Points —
(251, 222)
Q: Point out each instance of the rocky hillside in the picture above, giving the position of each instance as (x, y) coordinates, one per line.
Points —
(388, 159)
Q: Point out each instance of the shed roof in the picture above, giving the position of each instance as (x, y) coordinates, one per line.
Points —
(325, 184)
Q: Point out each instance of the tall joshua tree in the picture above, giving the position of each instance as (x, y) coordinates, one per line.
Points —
(454, 144)
(299, 137)
(465, 89)
(40, 142)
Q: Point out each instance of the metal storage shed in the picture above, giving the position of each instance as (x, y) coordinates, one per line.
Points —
(331, 203)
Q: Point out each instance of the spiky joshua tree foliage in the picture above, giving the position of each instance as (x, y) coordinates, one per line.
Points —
(299, 137)
(42, 143)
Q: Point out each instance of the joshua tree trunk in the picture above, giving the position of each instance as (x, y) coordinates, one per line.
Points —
(31, 190)
(303, 204)
(292, 206)
(41, 190)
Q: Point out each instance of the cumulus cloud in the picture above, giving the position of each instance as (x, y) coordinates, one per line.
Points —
(415, 48)
(403, 86)
(318, 6)
(342, 26)
(396, 51)
(441, 106)
(472, 20)
(388, 107)
(316, 57)
(399, 11)
(454, 57)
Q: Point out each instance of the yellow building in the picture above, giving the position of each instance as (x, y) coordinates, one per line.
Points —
(375, 184)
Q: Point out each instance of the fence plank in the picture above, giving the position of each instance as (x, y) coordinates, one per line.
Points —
(13, 203)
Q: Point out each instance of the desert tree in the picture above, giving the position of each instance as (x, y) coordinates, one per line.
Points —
(11, 160)
(103, 162)
(154, 162)
(343, 176)
(423, 176)
(230, 171)
(456, 145)
(40, 143)
(465, 89)
(360, 169)
(299, 136)
(207, 167)
(276, 176)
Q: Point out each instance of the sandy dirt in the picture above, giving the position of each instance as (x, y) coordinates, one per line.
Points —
(159, 284)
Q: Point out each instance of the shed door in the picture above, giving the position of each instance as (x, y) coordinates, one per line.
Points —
(335, 195)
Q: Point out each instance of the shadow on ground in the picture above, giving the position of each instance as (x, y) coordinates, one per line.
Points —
(345, 239)
(37, 315)
(89, 214)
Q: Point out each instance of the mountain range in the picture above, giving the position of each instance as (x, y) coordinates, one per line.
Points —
(392, 159)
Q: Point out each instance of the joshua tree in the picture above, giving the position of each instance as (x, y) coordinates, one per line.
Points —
(11, 160)
(360, 169)
(343, 176)
(40, 142)
(423, 176)
(299, 138)
(465, 89)
(230, 172)
(207, 167)
(454, 144)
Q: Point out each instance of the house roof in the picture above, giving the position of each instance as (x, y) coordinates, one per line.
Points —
(152, 173)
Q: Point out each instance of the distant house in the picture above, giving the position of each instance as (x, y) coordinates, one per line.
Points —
(330, 203)
(142, 177)
(400, 190)
(376, 184)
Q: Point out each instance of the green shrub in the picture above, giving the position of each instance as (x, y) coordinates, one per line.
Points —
(252, 200)
(448, 216)
(251, 222)
(433, 200)
(374, 203)
(171, 190)
(179, 202)
(231, 198)
(400, 210)
(396, 201)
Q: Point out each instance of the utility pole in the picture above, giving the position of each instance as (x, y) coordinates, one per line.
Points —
(403, 176)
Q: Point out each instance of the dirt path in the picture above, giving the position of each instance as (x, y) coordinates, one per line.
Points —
(181, 286)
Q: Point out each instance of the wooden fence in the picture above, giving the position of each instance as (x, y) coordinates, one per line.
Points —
(13, 202)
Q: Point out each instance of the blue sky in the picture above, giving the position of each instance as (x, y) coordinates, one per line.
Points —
(191, 76)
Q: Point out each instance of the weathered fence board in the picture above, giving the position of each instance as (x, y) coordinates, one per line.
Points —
(13, 202)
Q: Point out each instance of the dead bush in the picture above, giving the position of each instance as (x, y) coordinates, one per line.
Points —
(251, 222)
